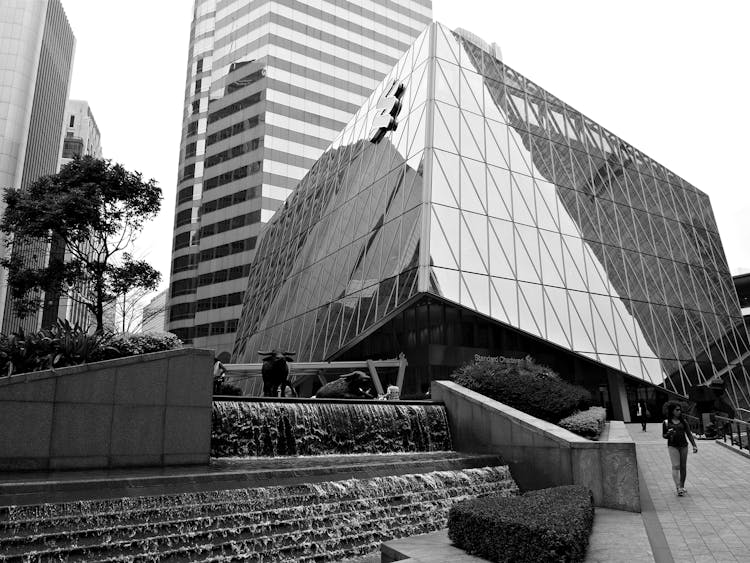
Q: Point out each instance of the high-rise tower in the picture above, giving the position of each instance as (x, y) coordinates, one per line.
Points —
(36, 60)
(269, 84)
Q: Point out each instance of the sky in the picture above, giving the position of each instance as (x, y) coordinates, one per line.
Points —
(666, 76)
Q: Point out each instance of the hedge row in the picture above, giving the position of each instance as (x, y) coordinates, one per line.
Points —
(524, 385)
(548, 525)
(588, 423)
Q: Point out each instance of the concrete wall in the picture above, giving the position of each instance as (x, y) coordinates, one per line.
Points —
(153, 409)
(541, 454)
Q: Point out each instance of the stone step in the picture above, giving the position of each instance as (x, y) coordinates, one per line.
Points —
(311, 522)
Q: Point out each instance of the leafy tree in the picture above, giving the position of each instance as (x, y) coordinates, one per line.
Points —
(95, 210)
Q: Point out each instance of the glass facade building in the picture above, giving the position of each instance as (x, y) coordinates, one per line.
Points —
(269, 84)
(466, 210)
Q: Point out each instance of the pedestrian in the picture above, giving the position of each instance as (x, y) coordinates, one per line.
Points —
(642, 414)
(677, 432)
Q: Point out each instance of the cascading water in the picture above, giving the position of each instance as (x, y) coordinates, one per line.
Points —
(324, 521)
(264, 428)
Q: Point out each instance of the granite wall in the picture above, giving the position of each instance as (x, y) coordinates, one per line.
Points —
(541, 454)
(147, 410)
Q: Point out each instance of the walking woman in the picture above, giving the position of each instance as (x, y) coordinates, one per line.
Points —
(677, 432)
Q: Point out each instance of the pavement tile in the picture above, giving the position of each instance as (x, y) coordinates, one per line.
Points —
(711, 523)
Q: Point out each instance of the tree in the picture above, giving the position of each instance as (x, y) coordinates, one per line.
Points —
(128, 313)
(94, 209)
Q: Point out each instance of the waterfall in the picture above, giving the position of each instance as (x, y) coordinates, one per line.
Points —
(266, 428)
(324, 521)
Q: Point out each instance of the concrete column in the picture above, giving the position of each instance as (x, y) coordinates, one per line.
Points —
(618, 396)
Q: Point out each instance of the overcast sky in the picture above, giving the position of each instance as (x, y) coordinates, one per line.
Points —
(669, 77)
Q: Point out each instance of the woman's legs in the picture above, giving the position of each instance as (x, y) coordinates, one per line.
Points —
(643, 422)
(674, 457)
(683, 466)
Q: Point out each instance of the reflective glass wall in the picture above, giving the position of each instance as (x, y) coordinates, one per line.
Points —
(344, 250)
(496, 196)
(548, 222)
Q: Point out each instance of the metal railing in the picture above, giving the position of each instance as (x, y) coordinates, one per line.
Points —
(736, 430)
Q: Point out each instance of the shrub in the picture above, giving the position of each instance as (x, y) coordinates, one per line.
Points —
(59, 346)
(540, 526)
(588, 423)
(524, 385)
(127, 344)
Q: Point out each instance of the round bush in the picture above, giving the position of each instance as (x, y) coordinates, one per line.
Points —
(524, 385)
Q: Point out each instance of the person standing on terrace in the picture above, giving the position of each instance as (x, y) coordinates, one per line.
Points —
(677, 432)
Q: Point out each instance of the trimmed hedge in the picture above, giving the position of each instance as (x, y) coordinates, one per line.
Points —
(588, 423)
(548, 525)
(524, 385)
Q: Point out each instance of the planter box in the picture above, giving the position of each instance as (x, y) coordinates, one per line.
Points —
(541, 454)
(147, 410)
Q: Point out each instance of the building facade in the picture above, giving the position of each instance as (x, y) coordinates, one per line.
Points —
(269, 84)
(154, 313)
(465, 210)
(82, 137)
(36, 61)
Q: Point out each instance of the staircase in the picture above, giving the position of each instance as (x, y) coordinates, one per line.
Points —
(296, 509)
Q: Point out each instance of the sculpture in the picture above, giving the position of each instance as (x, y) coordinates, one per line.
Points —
(275, 372)
(354, 385)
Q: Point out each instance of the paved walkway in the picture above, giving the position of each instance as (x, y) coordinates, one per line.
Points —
(711, 523)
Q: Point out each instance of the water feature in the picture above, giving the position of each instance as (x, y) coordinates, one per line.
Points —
(324, 521)
(277, 428)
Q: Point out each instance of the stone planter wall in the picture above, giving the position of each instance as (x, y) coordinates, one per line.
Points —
(541, 454)
(148, 410)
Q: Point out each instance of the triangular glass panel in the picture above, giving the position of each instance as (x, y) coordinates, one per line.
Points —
(445, 179)
(531, 308)
(414, 182)
(471, 89)
(504, 300)
(527, 254)
(473, 186)
(446, 76)
(546, 206)
(496, 135)
(575, 273)
(523, 199)
(446, 45)
(556, 317)
(472, 136)
(499, 193)
(444, 226)
(491, 94)
(446, 128)
(518, 153)
(501, 252)
(473, 243)
(417, 141)
(446, 282)
(475, 291)
(581, 322)
(551, 258)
